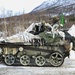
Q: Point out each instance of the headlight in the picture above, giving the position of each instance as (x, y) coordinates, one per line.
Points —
(21, 49)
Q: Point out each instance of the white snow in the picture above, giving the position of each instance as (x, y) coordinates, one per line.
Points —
(21, 37)
(71, 31)
(52, 3)
(72, 54)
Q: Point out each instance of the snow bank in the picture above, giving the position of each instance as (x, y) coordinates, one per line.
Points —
(72, 54)
(71, 31)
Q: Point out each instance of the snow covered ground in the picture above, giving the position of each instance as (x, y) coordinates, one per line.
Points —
(72, 54)
(71, 31)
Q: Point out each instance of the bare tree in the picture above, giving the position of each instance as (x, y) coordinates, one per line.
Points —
(3, 11)
(9, 13)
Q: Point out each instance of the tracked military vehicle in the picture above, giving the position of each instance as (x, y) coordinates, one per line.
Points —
(49, 48)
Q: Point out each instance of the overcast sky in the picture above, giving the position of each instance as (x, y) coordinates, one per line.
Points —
(19, 5)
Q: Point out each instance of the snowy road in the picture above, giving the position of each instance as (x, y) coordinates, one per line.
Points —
(68, 68)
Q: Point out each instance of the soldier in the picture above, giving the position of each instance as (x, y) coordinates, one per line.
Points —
(39, 27)
(42, 27)
(55, 20)
(56, 27)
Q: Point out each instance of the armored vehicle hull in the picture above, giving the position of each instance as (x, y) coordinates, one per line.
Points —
(45, 53)
(50, 48)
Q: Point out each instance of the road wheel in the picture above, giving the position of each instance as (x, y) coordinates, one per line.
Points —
(56, 59)
(9, 59)
(24, 60)
(40, 60)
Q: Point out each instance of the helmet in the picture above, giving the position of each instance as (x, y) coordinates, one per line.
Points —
(55, 19)
(43, 22)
